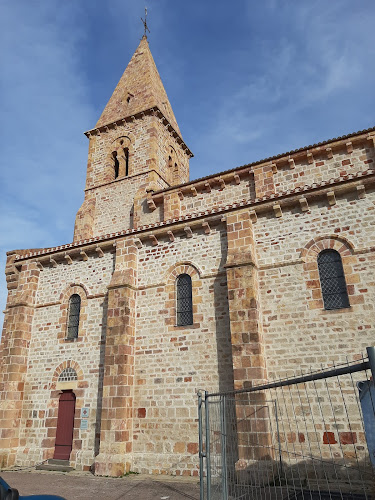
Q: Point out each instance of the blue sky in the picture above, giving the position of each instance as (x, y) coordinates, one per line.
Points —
(246, 80)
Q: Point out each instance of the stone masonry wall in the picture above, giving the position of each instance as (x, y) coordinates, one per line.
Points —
(168, 147)
(171, 361)
(15, 344)
(50, 352)
(323, 166)
(99, 167)
(108, 205)
(299, 333)
(115, 204)
(217, 195)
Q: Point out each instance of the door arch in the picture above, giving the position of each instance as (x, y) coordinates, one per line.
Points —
(65, 426)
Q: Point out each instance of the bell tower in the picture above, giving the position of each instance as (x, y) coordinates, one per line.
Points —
(135, 147)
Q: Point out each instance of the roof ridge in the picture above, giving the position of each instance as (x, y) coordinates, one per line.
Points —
(270, 158)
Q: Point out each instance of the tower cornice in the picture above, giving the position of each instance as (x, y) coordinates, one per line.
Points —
(154, 111)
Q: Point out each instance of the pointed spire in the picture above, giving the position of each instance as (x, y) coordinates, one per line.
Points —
(139, 88)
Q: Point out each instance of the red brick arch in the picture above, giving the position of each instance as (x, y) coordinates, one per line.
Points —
(316, 245)
(185, 267)
(66, 364)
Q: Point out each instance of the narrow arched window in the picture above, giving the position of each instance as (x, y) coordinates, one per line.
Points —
(126, 154)
(184, 300)
(73, 316)
(332, 280)
(116, 164)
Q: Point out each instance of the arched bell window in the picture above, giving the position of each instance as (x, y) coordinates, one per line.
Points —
(73, 316)
(116, 164)
(184, 304)
(332, 280)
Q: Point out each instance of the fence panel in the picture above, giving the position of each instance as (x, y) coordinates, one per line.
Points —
(306, 436)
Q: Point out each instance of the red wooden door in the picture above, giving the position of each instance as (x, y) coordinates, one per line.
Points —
(65, 425)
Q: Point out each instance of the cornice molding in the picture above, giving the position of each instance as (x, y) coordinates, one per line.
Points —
(259, 205)
(155, 111)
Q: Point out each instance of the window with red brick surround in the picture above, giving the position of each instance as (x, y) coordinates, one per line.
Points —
(309, 255)
(67, 320)
(177, 270)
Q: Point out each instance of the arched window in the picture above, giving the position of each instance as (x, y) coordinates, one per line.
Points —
(126, 155)
(73, 316)
(116, 164)
(332, 280)
(184, 300)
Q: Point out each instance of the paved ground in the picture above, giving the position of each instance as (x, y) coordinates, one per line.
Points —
(84, 486)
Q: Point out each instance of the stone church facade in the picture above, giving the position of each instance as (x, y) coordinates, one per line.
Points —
(171, 285)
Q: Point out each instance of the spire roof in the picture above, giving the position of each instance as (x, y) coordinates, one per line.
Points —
(139, 88)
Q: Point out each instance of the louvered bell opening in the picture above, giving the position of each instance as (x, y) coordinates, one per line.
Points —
(74, 310)
(332, 280)
(184, 301)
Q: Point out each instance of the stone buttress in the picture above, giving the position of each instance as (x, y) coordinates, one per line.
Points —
(22, 286)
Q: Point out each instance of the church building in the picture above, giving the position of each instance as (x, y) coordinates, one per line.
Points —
(173, 285)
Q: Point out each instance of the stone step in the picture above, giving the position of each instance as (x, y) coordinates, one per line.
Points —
(55, 465)
(55, 461)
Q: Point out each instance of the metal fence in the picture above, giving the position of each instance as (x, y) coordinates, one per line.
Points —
(305, 437)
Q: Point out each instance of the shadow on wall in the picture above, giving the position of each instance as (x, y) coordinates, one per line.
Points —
(99, 399)
(223, 337)
(310, 479)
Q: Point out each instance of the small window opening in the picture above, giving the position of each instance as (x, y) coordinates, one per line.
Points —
(116, 164)
(126, 153)
(73, 316)
(68, 375)
(184, 300)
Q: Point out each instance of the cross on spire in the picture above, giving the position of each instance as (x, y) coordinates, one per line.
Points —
(145, 24)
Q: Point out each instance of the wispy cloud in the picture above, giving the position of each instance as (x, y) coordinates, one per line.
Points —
(311, 61)
(45, 108)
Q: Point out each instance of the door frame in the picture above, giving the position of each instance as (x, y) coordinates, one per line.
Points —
(66, 395)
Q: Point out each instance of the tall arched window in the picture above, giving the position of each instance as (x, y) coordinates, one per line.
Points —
(126, 155)
(116, 164)
(332, 280)
(184, 300)
(73, 316)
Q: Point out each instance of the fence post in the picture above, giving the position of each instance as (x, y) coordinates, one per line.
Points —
(278, 438)
(224, 470)
(201, 453)
(208, 457)
(371, 358)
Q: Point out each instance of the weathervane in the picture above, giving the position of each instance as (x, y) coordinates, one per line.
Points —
(145, 23)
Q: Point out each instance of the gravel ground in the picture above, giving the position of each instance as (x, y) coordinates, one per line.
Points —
(85, 486)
